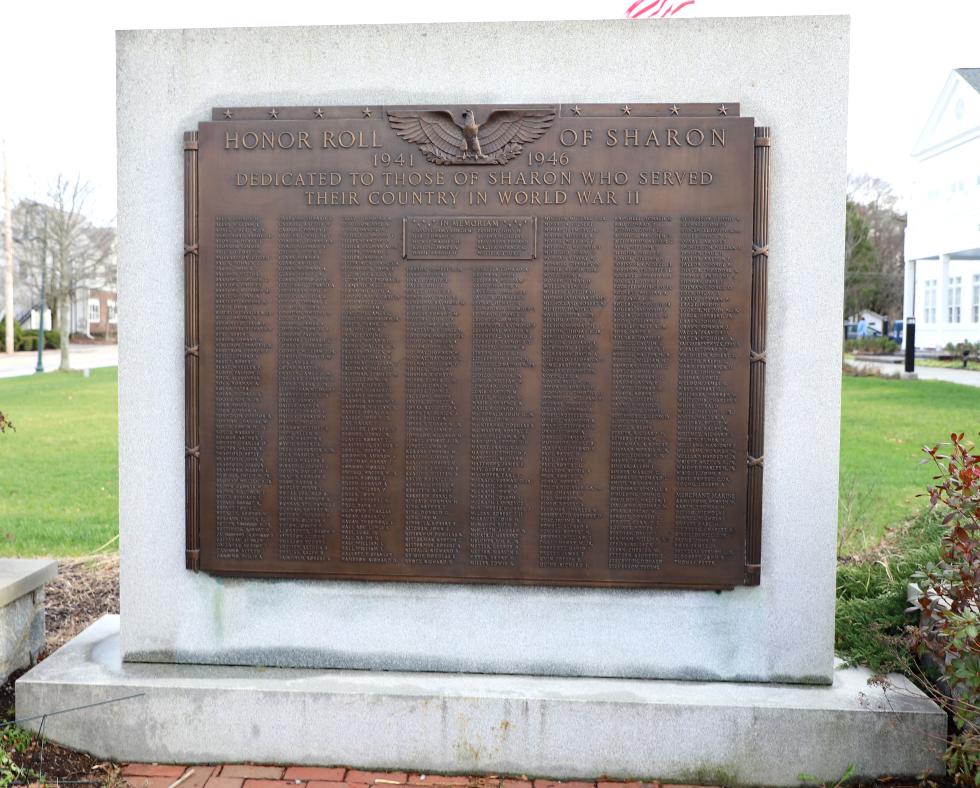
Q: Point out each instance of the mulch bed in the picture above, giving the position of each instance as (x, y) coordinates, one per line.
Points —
(84, 591)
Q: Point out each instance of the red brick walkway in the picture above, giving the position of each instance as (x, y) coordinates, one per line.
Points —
(144, 775)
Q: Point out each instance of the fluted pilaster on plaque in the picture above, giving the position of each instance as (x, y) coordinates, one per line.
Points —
(757, 357)
(192, 427)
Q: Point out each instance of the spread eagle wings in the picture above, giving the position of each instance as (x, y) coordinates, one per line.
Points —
(441, 138)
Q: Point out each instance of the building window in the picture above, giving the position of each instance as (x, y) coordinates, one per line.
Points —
(929, 301)
(976, 298)
(111, 309)
(953, 299)
(94, 310)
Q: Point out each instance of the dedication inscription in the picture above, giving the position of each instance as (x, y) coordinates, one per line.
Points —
(515, 344)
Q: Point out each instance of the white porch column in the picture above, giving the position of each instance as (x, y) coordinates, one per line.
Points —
(942, 302)
(908, 304)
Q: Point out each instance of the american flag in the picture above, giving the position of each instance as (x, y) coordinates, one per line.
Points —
(650, 9)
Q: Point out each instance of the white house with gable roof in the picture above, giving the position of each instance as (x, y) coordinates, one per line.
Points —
(942, 240)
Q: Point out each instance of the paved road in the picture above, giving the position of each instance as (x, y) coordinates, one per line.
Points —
(967, 377)
(81, 356)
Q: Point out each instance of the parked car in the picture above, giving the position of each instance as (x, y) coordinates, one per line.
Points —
(851, 331)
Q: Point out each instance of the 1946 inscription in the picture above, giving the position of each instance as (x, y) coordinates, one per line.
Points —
(490, 344)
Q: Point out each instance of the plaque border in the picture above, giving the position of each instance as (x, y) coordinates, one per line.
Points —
(756, 405)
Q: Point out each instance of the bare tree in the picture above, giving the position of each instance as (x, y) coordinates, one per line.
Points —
(62, 247)
(30, 222)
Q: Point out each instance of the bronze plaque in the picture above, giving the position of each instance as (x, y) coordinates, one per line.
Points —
(476, 344)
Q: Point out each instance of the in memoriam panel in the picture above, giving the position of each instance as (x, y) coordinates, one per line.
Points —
(476, 344)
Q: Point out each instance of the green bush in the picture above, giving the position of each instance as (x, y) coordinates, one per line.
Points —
(27, 340)
(877, 346)
(949, 629)
(940, 553)
(18, 335)
(52, 340)
(872, 592)
(957, 348)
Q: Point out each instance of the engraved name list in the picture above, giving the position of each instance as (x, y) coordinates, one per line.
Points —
(477, 344)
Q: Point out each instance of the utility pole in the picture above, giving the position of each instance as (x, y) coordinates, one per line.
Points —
(8, 248)
(44, 267)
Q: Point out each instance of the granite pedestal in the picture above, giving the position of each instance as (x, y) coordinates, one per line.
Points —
(779, 631)
(608, 715)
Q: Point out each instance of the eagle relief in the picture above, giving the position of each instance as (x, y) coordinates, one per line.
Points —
(444, 140)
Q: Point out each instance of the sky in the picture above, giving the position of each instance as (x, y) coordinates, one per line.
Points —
(57, 90)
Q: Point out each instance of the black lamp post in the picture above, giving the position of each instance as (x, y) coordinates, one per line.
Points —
(909, 344)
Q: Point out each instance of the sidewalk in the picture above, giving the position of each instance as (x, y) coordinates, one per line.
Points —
(143, 775)
(81, 357)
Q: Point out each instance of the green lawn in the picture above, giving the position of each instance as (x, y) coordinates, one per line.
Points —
(59, 479)
(884, 424)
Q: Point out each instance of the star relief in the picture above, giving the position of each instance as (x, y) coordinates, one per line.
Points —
(674, 110)
(228, 113)
(576, 110)
(274, 113)
(318, 113)
(366, 112)
(626, 110)
(722, 110)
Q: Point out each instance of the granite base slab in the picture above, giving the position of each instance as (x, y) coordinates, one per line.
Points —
(719, 732)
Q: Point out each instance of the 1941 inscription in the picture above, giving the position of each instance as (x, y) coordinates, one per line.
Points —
(476, 344)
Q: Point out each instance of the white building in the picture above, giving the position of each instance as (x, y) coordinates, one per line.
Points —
(942, 241)
(875, 321)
